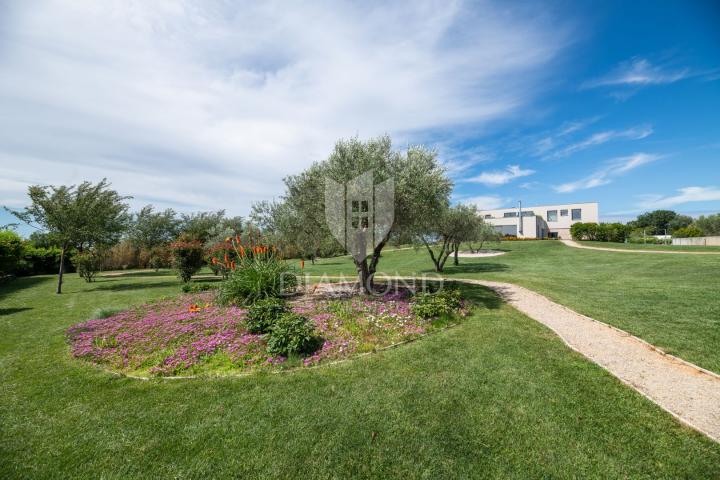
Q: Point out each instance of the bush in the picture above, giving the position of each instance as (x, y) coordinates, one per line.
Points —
(431, 305)
(39, 260)
(264, 313)
(198, 287)
(260, 274)
(710, 225)
(292, 334)
(159, 257)
(688, 232)
(11, 252)
(187, 258)
(602, 232)
(87, 264)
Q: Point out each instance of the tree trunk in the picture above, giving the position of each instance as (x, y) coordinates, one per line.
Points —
(60, 273)
(365, 277)
(457, 247)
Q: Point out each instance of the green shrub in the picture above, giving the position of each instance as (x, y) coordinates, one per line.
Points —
(87, 265)
(688, 232)
(431, 305)
(257, 278)
(11, 252)
(264, 313)
(187, 258)
(198, 287)
(292, 334)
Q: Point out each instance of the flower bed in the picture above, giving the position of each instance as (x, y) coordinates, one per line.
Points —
(190, 334)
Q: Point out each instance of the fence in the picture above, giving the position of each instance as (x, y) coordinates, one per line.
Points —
(697, 241)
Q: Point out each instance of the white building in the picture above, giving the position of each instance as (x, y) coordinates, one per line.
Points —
(544, 221)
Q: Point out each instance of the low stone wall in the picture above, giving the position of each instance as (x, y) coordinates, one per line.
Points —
(697, 241)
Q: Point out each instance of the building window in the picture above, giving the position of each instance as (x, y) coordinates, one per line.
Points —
(552, 215)
(509, 214)
(563, 213)
(488, 216)
(576, 214)
(528, 213)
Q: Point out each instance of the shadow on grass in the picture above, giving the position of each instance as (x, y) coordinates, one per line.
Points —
(148, 273)
(477, 294)
(11, 286)
(118, 287)
(476, 268)
(10, 311)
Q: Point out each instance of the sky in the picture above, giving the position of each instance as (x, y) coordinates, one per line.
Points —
(208, 105)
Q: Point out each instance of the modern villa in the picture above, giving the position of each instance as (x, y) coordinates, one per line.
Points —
(544, 221)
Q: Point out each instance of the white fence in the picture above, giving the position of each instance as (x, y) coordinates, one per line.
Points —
(697, 241)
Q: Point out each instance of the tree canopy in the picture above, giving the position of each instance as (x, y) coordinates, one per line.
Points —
(82, 216)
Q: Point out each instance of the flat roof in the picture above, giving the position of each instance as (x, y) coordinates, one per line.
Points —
(537, 206)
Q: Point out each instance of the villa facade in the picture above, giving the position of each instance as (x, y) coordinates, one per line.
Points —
(544, 221)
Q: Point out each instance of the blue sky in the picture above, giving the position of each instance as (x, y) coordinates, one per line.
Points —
(207, 105)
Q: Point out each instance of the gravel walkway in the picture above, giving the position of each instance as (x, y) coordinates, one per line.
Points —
(688, 392)
(572, 243)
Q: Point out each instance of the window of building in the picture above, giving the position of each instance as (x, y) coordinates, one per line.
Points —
(552, 215)
(488, 216)
(528, 213)
(563, 213)
(509, 214)
(576, 214)
(360, 213)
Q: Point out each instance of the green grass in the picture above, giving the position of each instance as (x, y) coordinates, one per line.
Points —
(672, 301)
(649, 246)
(497, 396)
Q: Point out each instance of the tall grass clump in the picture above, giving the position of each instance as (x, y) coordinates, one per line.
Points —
(259, 272)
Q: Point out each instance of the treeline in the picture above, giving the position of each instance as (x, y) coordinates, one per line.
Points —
(642, 229)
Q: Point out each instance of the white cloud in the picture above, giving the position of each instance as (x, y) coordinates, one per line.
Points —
(500, 177)
(686, 195)
(635, 133)
(639, 72)
(201, 105)
(612, 169)
(485, 202)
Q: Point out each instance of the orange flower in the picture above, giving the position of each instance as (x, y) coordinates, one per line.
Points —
(214, 261)
(242, 251)
(194, 308)
(232, 265)
(302, 264)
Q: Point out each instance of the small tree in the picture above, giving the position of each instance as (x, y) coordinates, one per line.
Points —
(87, 264)
(76, 216)
(187, 258)
(448, 230)
(483, 233)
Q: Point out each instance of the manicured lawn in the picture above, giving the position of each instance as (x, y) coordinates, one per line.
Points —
(648, 246)
(672, 301)
(497, 396)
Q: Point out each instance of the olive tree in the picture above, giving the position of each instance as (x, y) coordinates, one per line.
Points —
(446, 230)
(83, 216)
(421, 187)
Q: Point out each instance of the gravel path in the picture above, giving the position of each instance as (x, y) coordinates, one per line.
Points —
(572, 243)
(688, 392)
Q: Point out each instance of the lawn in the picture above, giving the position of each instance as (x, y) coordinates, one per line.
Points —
(649, 246)
(671, 301)
(497, 396)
